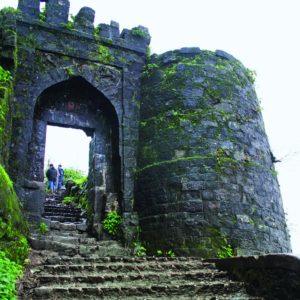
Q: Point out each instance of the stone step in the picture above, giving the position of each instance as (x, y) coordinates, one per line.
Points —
(158, 267)
(66, 227)
(145, 289)
(104, 278)
(131, 260)
(64, 215)
(63, 219)
(61, 209)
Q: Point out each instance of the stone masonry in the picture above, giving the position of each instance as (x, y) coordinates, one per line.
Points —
(177, 139)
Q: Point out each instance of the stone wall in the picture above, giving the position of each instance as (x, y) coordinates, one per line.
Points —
(205, 172)
(192, 158)
(49, 50)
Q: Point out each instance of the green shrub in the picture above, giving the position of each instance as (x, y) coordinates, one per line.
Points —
(9, 273)
(43, 228)
(225, 251)
(5, 76)
(70, 200)
(75, 175)
(139, 249)
(112, 222)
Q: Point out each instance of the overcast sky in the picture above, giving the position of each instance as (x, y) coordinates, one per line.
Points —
(262, 34)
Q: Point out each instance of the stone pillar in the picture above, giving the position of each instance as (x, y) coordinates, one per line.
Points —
(30, 8)
(57, 11)
(84, 20)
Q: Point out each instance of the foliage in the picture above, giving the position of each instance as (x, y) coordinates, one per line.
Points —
(97, 31)
(112, 222)
(149, 69)
(70, 24)
(167, 253)
(75, 175)
(9, 273)
(80, 198)
(13, 227)
(225, 251)
(139, 33)
(139, 249)
(104, 55)
(70, 200)
(5, 75)
(70, 71)
(10, 10)
(43, 228)
(42, 16)
(252, 75)
(16, 249)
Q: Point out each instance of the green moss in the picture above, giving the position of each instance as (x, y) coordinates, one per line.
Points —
(149, 69)
(70, 24)
(171, 161)
(139, 33)
(215, 245)
(14, 228)
(104, 55)
(70, 71)
(6, 98)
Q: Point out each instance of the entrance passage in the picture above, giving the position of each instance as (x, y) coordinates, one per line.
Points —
(68, 147)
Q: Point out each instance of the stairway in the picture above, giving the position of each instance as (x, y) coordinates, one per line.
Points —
(55, 210)
(72, 265)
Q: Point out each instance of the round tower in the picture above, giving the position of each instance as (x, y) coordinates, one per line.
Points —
(206, 182)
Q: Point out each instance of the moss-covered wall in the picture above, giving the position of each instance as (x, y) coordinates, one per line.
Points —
(205, 175)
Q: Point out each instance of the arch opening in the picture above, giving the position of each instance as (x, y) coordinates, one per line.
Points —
(76, 104)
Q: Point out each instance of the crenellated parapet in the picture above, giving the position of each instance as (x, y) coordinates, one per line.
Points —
(57, 11)
(56, 16)
(84, 20)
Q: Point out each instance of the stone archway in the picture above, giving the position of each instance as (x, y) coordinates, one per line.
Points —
(75, 103)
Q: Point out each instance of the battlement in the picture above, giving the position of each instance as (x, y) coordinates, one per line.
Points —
(56, 14)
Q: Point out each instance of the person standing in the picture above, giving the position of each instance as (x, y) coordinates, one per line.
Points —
(61, 174)
(51, 176)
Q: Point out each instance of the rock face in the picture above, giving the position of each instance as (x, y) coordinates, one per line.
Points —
(205, 171)
(182, 151)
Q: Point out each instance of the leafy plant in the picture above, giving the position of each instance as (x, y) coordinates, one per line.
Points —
(42, 16)
(225, 251)
(112, 222)
(252, 75)
(167, 253)
(75, 175)
(9, 273)
(138, 32)
(139, 249)
(5, 75)
(70, 25)
(70, 200)
(10, 10)
(43, 228)
(15, 249)
(170, 253)
(104, 55)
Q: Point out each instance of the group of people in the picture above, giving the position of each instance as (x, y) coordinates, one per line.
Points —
(55, 178)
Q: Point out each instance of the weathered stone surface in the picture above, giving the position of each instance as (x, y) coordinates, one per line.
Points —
(202, 139)
(180, 141)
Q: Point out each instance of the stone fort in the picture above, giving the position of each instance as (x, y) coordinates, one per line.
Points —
(178, 139)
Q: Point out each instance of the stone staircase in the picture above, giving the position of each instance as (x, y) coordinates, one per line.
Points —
(66, 263)
(55, 210)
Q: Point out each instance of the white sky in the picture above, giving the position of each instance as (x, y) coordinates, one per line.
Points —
(262, 34)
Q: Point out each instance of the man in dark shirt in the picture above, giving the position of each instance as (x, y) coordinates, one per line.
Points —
(60, 180)
(51, 175)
